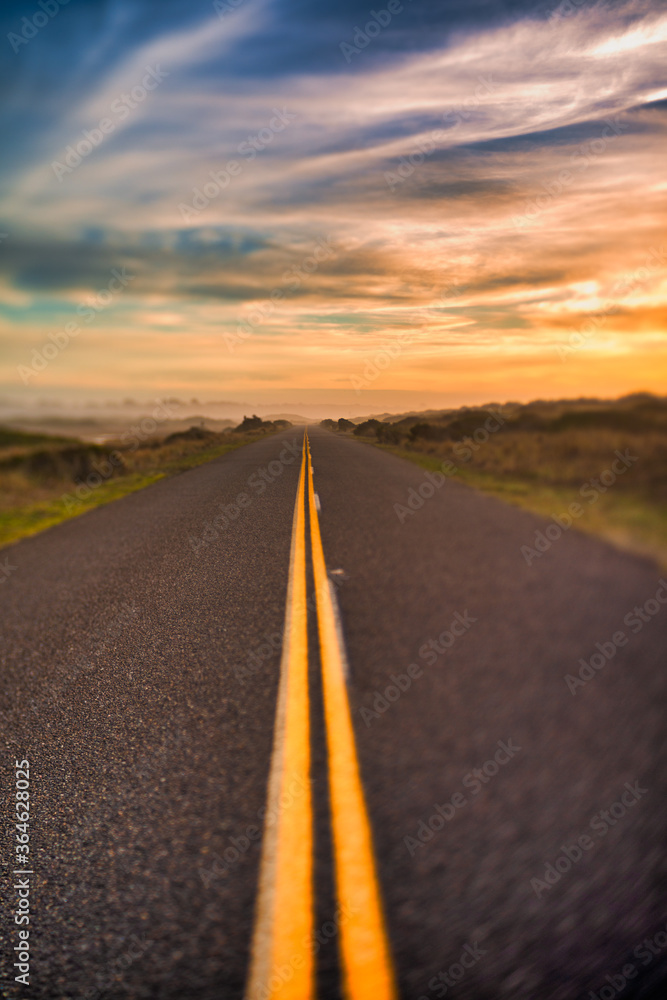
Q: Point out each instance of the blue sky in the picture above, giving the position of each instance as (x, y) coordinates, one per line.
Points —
(481, 179)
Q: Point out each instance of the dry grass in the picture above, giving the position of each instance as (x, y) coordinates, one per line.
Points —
(568, 459)
(44, 481)
(543, 455)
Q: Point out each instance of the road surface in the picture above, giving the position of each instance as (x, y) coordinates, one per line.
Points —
(512, 797)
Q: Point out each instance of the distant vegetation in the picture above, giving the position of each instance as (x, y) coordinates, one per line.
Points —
(367, 428)
(255, 423)
(44, 479)
(540, 454)
(9, 436)
(338, 425)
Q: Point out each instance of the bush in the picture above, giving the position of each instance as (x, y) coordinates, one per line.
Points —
(192, 434)
(74, 463)
(388, 433)
(256, 423)
(367, 428)
(429, 432)
(253, 423)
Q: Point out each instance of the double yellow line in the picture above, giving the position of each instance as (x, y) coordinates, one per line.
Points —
(282, 965)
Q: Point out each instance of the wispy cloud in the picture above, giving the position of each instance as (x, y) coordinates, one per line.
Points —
(548, 132)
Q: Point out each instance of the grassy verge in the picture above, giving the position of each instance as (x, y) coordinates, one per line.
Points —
(630, 520)
(143, 467)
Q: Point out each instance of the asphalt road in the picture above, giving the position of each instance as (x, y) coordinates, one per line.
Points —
(140, 658)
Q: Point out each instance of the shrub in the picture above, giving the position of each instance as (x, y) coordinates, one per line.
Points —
(367, 428)
(345, 425)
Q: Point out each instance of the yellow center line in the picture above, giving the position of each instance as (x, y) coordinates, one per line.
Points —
(281, 966)
(365, 955)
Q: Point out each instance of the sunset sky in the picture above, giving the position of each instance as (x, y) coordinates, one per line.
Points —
(465, 202)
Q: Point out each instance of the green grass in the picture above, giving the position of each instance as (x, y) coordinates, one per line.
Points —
(629, 520)
(31, 518)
